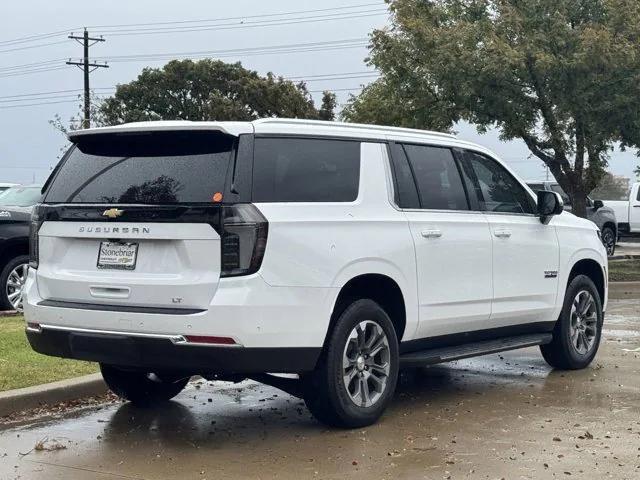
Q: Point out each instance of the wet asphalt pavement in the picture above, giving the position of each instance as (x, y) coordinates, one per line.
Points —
(499, 416)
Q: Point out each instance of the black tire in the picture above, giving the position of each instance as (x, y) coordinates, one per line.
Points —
(609, 240)
(562, 353)
(142, 389)
(5, 303)
(324, 390)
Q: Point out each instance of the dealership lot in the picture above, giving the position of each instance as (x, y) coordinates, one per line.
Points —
(497, 416)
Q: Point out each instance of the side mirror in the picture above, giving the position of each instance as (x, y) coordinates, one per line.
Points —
(598, 204)
(549, 204)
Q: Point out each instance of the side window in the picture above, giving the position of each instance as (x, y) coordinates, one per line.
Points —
(496, 188)
(638, 196)
(437, 176)
(305, 170)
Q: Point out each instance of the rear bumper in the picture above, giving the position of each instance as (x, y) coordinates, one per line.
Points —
(247, 309)
(162, 353)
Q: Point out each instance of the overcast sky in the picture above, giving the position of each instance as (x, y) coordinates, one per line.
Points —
(29, 146)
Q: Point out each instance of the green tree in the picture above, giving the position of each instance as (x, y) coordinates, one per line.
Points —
(328, 108)
(562, 75)
(209, 90)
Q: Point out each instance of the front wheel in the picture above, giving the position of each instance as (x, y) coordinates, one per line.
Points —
(577, 333)
(356, 376)
(609, 240)
(140, 388)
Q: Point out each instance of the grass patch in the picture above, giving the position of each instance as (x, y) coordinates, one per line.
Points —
(624, 270)
(21, 367)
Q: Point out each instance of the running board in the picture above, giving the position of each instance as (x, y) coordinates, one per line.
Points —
(447, 354)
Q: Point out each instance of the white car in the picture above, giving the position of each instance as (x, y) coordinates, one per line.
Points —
(628, 211)
(337, 252)
(5, 186)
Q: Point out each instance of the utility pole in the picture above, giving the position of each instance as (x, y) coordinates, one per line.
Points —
(87, 67)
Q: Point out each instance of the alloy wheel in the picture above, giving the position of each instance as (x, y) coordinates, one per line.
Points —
(366, 363)
(609, 241)
(15, 285)
(583, 322)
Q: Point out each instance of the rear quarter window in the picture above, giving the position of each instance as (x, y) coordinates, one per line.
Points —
(305, 170)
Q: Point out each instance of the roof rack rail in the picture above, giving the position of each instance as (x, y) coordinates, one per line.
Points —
(297, 121)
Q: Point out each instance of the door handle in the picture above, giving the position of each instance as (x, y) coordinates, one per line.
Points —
(435, 233)
(502, 233)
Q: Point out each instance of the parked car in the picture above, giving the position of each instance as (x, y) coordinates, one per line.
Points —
(14, 256)
(337, 252)
(21, 196)
(15, 216)
(4, 186)
(603, 216)
(628, 212)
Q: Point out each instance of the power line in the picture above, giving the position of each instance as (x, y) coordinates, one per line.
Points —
(336, 90)
(32, 38)
(250, 51)
(37, 94)
(31, 65)
(344, 43)
(37, 104)
(304, 78)
(159, 25)
(175, 22)
(32, 46)
(55, 102)
(245, 25)
(35, 70)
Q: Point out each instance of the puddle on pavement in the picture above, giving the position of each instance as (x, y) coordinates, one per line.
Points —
(495, 416)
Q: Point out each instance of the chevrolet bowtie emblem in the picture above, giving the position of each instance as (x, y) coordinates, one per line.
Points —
(112, 213)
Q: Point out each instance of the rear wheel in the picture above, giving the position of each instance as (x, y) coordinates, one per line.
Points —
(356, 376)
(577, 333)
(12, 279)
(140, 388)
(609, 240)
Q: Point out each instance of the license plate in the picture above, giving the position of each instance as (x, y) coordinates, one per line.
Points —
(117, 255)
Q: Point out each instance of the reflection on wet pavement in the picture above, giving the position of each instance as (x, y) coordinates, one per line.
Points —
(506, 415)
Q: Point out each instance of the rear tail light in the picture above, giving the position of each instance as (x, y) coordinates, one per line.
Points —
(34, 227)
(243, 240)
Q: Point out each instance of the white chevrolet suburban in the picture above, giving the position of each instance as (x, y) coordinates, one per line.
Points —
(339, 253)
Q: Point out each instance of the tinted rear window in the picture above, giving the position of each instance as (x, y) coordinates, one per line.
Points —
(148, 168)
(305, 170)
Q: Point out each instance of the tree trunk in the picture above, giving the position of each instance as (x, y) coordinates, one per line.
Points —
(579, 199)
(574, 189)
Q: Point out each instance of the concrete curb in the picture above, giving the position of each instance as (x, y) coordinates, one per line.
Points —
(624, 257)
(20, 399)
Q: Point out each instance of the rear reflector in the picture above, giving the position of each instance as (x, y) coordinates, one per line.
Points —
(210, 340)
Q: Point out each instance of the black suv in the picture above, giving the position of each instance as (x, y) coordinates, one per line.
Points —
(15, 216)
